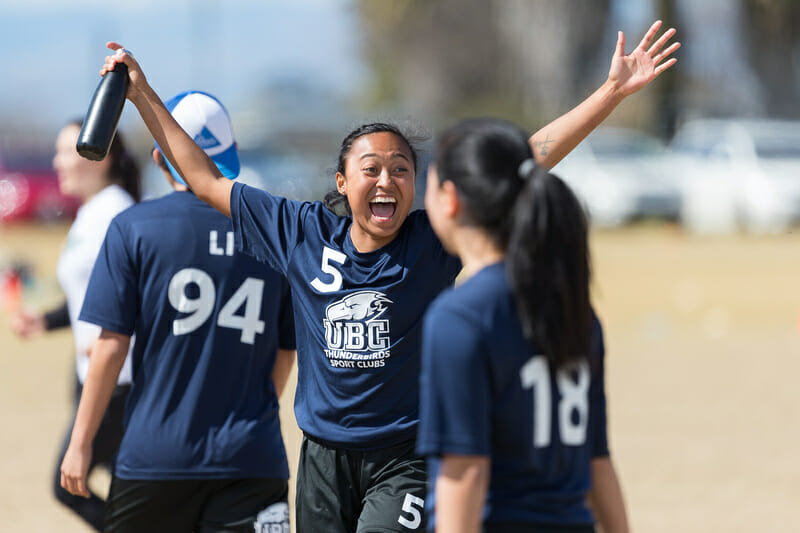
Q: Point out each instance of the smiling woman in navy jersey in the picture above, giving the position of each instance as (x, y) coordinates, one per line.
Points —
(360, 285)
(512, 410)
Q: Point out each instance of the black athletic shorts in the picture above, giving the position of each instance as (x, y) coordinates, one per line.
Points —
(201, 506)
(346, 491)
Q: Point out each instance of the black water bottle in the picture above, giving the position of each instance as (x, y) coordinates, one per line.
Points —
(103, 114)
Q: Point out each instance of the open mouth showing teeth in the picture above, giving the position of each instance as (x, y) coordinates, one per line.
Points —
(383, 207)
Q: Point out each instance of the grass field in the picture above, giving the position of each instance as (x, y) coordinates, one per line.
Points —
(703, 358)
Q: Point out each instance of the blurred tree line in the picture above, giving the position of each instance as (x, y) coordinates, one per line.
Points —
(774, 43)
(531, 60)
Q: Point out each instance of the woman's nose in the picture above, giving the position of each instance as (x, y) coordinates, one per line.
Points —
(385, 178)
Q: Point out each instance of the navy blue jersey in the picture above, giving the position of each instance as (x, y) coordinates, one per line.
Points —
(358, 315)
(486, 391)
(208, 322)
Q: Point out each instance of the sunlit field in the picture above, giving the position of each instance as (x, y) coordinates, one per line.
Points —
(703, 359)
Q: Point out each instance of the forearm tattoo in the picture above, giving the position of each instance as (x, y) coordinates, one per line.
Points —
(543, 146)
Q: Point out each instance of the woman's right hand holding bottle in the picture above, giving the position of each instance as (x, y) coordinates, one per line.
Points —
(137, 81)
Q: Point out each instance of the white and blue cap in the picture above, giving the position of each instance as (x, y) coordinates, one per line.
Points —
(206, 121)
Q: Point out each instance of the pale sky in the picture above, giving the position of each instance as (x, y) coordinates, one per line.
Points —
(51, 51)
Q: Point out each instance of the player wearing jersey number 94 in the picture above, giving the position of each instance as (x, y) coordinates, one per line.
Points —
(203, 449)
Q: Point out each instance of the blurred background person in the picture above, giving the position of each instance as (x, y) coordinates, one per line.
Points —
(104, 188)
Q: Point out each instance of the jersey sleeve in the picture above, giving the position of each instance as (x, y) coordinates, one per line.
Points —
(266, 227)
(286, 333)
(57, 318)
(455, 401)
(111, 297)
(598, 396)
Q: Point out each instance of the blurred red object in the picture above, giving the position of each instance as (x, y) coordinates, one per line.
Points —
(10, 291)
(33, 195)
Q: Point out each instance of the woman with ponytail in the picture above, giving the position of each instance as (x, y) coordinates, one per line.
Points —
(512, 412)
(104, 188)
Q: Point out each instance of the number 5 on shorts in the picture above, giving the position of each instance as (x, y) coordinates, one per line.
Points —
(413, 506)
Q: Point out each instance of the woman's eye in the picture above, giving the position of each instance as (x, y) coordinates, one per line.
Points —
(371, 170)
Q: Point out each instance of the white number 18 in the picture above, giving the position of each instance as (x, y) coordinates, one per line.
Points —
(535, 374)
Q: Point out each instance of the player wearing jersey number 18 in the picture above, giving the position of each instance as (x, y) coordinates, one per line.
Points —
(202, 449)
(512, 410)
(360, 285)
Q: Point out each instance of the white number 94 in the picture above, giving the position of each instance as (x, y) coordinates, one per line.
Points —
(249, 294)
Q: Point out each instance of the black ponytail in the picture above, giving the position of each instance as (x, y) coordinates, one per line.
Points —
(548, 267)
(536, 219)
(337, 202)
(124, 168)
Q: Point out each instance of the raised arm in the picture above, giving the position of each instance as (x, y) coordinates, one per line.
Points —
(194, 166)
(628, 74)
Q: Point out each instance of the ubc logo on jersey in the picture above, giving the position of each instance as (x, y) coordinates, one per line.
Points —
(355, 334)
(363, 305)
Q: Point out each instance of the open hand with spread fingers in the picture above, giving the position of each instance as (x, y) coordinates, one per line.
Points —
(629, 73)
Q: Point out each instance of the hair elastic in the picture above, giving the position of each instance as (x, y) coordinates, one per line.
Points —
(525, 168)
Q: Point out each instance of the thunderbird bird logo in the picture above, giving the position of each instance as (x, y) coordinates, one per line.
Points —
(363, 305)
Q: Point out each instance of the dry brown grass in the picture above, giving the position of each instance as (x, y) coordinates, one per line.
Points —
(703, 354)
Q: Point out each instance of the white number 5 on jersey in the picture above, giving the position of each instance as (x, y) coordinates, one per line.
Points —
(328, 255)
(249, 294)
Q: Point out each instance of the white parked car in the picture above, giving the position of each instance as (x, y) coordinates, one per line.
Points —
(739, 173)
(620, 175)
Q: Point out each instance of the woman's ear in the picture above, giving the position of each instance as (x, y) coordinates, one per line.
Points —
(161, 163)
(158, 159)
(341, 183)
(450, 203)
